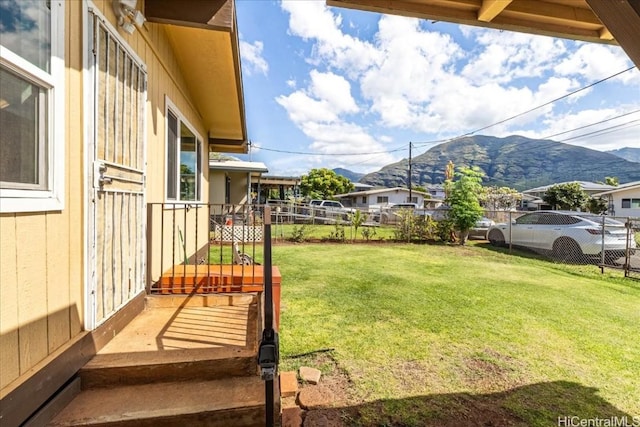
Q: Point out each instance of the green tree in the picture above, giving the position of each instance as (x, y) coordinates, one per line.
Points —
(500, 198)
(463, 198)
(324, 183)
(611, 180)
(597, 205)
(567, 196)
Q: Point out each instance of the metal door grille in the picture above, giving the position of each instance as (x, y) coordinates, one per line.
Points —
(118, 220)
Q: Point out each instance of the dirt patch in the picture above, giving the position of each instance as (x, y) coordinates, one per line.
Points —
(328, 403)
(333, 402)
(490, 371)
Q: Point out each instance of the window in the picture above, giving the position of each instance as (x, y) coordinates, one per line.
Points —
(528, 219)
(184, 160)
(412, 200)
(382, 199)
(364, 199)
(630, 203)
(31, 106)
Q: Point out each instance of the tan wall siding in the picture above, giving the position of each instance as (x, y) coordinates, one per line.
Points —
(42, 254)
(216, 187)
(239, 183)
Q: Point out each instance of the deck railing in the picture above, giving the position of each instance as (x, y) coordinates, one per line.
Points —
(204, 247)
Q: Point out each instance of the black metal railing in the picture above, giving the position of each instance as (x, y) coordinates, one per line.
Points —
(191, 246)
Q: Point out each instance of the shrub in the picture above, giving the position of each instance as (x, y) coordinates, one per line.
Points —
(337, 235)
(299, 234)
(368, 233)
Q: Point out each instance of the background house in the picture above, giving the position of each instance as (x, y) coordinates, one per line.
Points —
(271, 187)
(381, 197)
(624, 200)
(230, 180)
(533, 198)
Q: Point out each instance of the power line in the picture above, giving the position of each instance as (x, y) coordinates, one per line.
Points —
(603, 131)
(592, 124)
(330, 154)
(425, 143)
(533, 109)
(547, 103)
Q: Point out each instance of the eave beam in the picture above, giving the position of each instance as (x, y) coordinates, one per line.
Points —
(212, 14)
(622, 19)
(491, 8)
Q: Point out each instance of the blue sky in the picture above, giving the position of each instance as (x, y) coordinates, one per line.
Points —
(351, 89)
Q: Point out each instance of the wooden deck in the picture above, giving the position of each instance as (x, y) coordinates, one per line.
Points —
(219, 278)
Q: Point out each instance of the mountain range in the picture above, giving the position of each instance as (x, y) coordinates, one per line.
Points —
(350, 175)
(628, 153)
(514, 161)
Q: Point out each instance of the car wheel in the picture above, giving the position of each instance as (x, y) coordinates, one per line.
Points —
(496, 238)
(567, 250)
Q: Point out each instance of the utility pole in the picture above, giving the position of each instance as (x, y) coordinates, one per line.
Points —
(409, 177)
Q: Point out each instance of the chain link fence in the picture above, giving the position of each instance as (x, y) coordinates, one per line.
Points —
(632, 268)
(571, 237)
(563, 237)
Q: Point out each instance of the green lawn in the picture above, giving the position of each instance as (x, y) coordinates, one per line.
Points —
(426, 332)
(282, 232)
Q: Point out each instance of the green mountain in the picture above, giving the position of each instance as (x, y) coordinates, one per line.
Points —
(627, 153)
(514, 161)
(350, 175)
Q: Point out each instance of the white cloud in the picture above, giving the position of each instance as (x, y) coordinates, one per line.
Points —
(335, 90)
(504, 56)
(313, 21)
(253, 61)
(302, 108)
(316, 112)
(612, 133)
(412, 78)
(593, 62)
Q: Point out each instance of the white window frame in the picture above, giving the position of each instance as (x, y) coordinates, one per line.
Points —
(632, 201)
(52, 198)
(171, 107)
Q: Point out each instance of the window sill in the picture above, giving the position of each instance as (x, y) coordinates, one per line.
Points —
(31, 204)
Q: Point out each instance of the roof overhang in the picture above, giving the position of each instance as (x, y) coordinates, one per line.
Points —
(600, 21)
(238, 166)
(204, 38)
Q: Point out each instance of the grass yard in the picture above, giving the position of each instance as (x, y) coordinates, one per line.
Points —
(448, 335)
(281, 232)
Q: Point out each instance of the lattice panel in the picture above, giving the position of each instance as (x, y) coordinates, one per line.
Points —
(237, 233)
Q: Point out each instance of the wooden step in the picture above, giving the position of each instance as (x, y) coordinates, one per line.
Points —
(226, 402)
(180, 339)
(111, 370)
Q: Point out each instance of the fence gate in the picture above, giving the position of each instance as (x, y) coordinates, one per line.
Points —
(116, 246)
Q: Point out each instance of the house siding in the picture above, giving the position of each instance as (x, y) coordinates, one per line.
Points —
(42, 280)
(632, 193)
(395, 196)
(42, 252)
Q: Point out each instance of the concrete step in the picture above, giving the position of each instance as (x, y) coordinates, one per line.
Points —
(226, 402)
(186, 365)
(180, 339)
